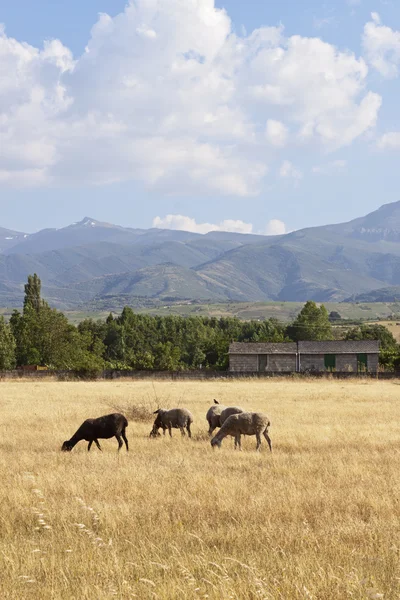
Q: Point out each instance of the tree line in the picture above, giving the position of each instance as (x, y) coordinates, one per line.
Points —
(41, 335)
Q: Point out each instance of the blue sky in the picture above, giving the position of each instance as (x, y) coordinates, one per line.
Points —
(265, 117)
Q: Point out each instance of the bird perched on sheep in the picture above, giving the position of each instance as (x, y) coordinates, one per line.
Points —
(105, 427)
(228, 411)
(245, 423)
(213, 416)
(177, 418)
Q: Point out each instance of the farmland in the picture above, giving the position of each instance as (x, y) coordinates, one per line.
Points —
(319, 518)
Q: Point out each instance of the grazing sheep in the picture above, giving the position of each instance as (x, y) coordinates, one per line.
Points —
(227, 412)
(177, 418)
(105, 427)
(213, 416)
(245, 423)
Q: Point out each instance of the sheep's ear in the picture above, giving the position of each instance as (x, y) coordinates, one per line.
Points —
(216, 401)
(156, 411)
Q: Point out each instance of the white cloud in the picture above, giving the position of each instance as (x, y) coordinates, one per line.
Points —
(275, 227)
(331, 168)
(166, 93)
(289, 171)
(390, 140)
(183, 223)
(277, 133)
(382, 47)
(145, 32)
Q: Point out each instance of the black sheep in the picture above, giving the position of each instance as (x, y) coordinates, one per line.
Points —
(105, 427)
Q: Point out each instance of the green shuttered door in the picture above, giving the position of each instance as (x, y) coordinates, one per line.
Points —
(330, 362)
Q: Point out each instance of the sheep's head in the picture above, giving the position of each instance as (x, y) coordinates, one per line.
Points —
(157, 423)
(215, 442)
(154, 432)
(67, 446)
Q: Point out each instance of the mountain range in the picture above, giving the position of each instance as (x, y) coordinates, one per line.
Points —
(90, 263)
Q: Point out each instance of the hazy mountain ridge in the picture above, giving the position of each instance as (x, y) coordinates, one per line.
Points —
(10, 238)
(91, 260)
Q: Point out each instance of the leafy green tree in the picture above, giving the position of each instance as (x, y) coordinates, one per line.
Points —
(129, 341)
(167, 357)
(7, 347)
(311, 324)
(334, 316)
(374, 332)
(25, 330)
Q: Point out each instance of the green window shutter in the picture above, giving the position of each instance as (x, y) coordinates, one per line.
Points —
(362, 363)
(330, 362)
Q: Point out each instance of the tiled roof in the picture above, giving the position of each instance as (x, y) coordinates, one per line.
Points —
(340, 347)
(333, 347)
(262, 348)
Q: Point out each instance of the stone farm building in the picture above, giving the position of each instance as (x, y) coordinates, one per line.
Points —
(336, 356)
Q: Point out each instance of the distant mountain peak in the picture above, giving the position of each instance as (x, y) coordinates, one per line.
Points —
(89, 222)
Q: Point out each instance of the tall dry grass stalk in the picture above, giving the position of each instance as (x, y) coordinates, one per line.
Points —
(318, 519)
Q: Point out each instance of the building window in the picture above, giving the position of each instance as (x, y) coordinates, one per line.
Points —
(362, 363)
(330, 362)
(262, 362)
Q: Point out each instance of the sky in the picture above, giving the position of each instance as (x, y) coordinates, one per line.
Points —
(202, 115)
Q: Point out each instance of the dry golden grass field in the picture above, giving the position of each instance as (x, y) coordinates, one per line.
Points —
(317, 519)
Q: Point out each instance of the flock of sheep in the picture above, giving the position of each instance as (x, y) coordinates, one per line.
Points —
(231, 420)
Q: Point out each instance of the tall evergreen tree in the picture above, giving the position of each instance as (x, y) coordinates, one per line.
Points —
(33, 293)
(7, 347)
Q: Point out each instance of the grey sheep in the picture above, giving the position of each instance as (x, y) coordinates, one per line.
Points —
(245, 423)
(213, 416)
(177, 418)
(105, 427)
(227, 412)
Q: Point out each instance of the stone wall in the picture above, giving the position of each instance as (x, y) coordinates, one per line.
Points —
(312, 362)
(243, 363)
(284, 363)
(346, 363)
(373, 363)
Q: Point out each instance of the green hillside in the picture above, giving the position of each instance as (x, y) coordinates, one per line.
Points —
(97, 265)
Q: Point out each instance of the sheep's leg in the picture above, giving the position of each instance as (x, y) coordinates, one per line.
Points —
(170, 429)
(268, 439)
(120, 442)
(125, 440)
(89, 445)
(188, 430)
(238, 442)
(98, 445)
(182, 431)
(258, 436)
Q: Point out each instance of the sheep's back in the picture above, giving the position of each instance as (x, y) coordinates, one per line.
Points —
(246, 423)
(178, 417)
(214, 413)
(229, 411)
(105, 426)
